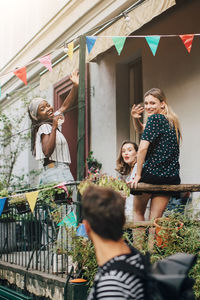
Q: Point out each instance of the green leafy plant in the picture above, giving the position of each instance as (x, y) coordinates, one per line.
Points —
(3, 193)
(12, 142)
(93, 165)
(186, 239)
(83, 257)
(105, 181)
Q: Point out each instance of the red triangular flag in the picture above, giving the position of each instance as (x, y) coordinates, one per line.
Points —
(187, 41)
(46, 61)
(21, 74)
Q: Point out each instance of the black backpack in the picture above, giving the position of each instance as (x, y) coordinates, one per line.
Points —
(165, 279)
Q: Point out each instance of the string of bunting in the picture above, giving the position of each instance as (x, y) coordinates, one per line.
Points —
(118, 41)
(32, 196)
(152, 41)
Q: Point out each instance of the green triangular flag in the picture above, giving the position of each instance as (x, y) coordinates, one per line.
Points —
(69, 220)
(119, 43)
(153, 42)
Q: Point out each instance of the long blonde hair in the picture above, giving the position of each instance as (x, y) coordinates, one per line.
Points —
(167, 111)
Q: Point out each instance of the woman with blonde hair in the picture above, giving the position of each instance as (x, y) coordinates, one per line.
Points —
(158, 153)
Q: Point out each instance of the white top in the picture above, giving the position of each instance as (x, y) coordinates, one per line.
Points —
(61, 151)
(131, 175)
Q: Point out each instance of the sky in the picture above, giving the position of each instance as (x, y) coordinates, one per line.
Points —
(20, 20)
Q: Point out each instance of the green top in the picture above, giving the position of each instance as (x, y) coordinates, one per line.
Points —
(162, 159)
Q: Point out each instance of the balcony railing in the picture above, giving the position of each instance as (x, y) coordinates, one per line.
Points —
(34, 240)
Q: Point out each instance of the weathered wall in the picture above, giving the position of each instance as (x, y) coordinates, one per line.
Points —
(42, 285)
(172, 69)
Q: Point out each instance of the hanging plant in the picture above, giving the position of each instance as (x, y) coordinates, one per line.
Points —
(93, 165)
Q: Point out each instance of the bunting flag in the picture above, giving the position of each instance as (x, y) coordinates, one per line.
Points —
(70, 50)
(46, 61)
(153, 42)
(32, 198)
(187, 41)
(90, 41)
(21, 74)
(119, 43)
(81, 231)
(69, 220)
(2, 203)
(63, 186)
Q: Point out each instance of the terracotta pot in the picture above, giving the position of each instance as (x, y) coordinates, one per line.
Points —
(162, 238)
(77, 289)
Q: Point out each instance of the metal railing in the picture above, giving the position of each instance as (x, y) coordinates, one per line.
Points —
(33, 240)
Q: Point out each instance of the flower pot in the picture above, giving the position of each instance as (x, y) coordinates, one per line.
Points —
(77, 289)
(163, 232)
(62, 198)
(22, 208)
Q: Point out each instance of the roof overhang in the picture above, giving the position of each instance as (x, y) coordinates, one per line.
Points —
(139, 16)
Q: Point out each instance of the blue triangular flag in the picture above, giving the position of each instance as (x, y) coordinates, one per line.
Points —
(2, 203)
(69, 220)
(90, 41)
(81, 231)
(153, 42)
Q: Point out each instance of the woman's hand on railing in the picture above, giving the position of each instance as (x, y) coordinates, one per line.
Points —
(134, 183)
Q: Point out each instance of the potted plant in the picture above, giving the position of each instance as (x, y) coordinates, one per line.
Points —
(164, 228)
(19, 200)
(93, 165)
(84, 266)
(105, 181)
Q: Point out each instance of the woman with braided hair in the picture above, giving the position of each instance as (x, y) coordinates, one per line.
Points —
(47, 142)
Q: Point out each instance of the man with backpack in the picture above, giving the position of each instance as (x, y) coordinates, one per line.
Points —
(103, 213)
(124, 273)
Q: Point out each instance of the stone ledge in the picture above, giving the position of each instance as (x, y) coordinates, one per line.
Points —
(35, 282)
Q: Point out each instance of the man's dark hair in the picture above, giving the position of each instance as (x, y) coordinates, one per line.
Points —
(103, 208)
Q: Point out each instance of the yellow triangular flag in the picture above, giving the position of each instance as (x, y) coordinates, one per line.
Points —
(32, 198)
(70, 49)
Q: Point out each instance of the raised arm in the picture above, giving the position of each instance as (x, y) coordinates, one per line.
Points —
(136, 114)
(71, 98)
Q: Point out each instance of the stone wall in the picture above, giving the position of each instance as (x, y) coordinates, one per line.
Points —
(35, 282)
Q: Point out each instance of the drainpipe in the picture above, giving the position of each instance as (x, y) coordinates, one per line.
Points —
(81, 111)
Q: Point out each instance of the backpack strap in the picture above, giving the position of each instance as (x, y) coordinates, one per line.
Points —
(126, 267)
(123, 266)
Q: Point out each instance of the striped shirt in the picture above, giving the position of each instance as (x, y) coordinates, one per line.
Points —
(112, 284)
(61, 150)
